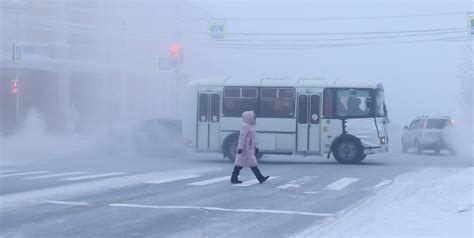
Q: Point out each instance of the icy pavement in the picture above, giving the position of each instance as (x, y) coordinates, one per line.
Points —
(430, 202)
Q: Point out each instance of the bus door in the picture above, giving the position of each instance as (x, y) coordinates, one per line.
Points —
(208, 121)
(308, 129)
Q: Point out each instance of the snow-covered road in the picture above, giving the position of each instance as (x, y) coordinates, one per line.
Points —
(189, 196)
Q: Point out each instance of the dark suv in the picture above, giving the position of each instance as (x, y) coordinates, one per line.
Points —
(429, 133)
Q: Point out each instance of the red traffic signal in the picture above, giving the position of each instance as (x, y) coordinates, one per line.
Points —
(15, 86)
(174, 50)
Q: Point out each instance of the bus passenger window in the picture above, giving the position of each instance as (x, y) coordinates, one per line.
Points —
(277, 102)
(215, 107)
(232, 92)
(203, 107)
(328, 103)
(238, 100)
(249, 92)
(314, 109)
(269, 93)
(286, 93)
(303, 109)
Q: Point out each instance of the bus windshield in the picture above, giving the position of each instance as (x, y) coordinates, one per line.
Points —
(353, 102)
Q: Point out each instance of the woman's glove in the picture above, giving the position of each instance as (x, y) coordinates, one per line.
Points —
(256, 150)
(239, 151)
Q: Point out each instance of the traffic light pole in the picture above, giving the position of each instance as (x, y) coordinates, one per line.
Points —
(17, 76)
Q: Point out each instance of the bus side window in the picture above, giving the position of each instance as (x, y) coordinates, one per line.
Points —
(238, 100)
(277, 103)
(329, 103)
(203, 107)
(215, 107)
(315, 109)
(303, 109)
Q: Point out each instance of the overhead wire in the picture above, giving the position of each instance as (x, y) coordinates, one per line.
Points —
(321, 18)
(315, 46)
(423, 34)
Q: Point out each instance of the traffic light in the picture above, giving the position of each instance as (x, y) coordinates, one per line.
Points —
(15, 87)
(175, 51)
(176, 55)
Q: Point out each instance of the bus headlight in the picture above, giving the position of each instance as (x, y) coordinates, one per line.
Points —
(382, 140)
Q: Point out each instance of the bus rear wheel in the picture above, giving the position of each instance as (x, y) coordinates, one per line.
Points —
(230, 148)
(348, 150)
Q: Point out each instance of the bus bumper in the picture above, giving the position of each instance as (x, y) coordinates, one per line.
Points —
(378, 149)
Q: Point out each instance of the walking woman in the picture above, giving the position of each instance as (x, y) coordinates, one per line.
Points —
(246, 150)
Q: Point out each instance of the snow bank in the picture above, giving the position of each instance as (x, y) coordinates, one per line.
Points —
(431, 202)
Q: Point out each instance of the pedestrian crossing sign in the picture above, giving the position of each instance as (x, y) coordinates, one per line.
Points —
(216, 30)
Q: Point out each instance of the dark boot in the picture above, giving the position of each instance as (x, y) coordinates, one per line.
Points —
(235, 175)
(259, 175)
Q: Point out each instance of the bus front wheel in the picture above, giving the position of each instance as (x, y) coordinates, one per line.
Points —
(348, 150)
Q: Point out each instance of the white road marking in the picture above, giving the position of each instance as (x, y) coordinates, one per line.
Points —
(341, 183)
(383, 183)
(21, 199)
(172, 178)
(210, 181)
(313, 192)
(23, 173)
(7, 171)
(55, 175)
(91, 176)
(297, 182)
(251, 182)
(224, 209)
(67, 203)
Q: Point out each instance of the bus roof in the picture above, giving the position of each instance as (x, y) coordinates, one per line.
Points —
(284, 82)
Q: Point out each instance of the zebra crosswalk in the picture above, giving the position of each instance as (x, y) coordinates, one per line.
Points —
(22, 173)
(210, 181)
(341, 183)
(55, 175)
(92, 176)
(196, 178)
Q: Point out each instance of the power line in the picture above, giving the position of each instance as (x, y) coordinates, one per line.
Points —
(321, 18)
(316, 46)
(332, 33)
(346, 38)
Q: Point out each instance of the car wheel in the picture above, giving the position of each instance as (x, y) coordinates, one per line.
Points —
(348, 150)
(418, 148)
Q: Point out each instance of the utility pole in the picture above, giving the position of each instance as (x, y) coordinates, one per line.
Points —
(17, 76)
(177, 65)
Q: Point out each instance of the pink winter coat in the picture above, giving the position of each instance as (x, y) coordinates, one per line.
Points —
(247, 139)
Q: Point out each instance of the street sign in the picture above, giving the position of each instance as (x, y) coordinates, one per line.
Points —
(165, 63)
(17, 55)
(216, 30)
(470, 25)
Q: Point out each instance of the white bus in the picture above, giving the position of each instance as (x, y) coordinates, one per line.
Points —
(294, 116)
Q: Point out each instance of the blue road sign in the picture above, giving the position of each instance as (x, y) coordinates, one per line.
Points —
(216, 30)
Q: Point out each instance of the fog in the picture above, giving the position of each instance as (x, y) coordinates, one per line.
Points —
(89, 70)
